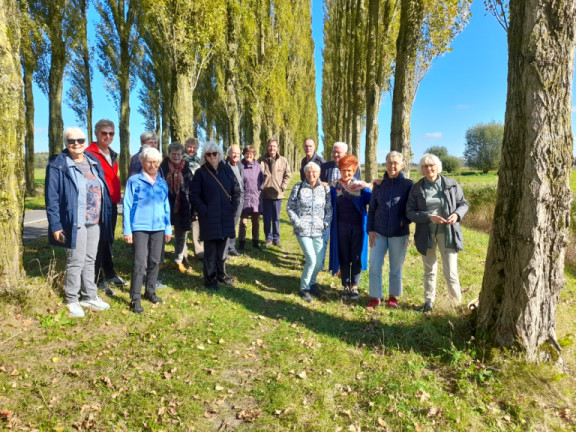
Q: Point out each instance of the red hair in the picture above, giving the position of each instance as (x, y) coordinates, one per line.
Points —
(348, 161)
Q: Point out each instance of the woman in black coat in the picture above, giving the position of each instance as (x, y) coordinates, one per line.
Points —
(178, 175)
(214, 195)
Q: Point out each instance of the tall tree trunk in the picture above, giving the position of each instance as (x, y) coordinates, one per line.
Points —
(411, 19)
(29, 119)
(182, 107)
(12, 183)
(358, 82)
(124, 83)
(256, 126)
(87, 72)
(55, 83)
(525, 263)
(231, 95)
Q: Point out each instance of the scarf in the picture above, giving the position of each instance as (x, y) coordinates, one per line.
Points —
(352, 189)
(174, 180)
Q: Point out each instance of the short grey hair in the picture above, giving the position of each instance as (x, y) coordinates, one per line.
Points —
(395, 154)
(175, 146)
(341, 144)
(150, 153)
(103, 123)
(230, 149)
(145, 136)
(309, 139)
(428, 159)
(73, 130)
(209, 147)
(311, 166)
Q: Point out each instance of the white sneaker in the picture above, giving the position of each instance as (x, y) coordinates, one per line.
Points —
(75, 310)
(96, 303)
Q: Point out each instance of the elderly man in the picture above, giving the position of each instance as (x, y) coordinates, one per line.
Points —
(104, 131)
(233, 161)
(329, 171)
(311, 156)
(149, 139)
(276, 171)
(194, 162)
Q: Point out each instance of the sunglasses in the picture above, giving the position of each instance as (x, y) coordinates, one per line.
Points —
(72, 141)
(107, 133)
(212, 154)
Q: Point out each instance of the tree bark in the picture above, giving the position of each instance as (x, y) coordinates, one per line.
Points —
(182, 107)
(359, 81)
(411, 19)
(524, 271)
(12, 184)
(232, 105)
(55, 83)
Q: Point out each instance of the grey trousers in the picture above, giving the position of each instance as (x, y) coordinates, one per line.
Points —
(198, 244)
(147, 247)
(80, 265)
(180, 246)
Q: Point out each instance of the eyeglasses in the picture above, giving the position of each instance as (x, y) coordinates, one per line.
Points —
(72, 141)
(111, 134)
(212, 154)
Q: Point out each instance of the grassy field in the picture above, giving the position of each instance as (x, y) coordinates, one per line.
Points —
(255, 357)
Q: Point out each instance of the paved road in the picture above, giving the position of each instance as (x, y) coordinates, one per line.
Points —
(35, 225)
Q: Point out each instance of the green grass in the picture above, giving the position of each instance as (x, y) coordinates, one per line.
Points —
(255, 357)
(36, 201)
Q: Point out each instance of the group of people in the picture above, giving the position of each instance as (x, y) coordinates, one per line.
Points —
(210, 195)
(333, 206)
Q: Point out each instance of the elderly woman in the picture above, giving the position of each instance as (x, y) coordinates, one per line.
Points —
(253, 179)
(214, 194)
(437, 205)
(78, 208)
(388, 230)
(348, 239)
(178, 176)
(310, 211)
(146, 225)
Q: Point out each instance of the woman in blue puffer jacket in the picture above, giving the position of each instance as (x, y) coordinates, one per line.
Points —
(310, 211)
(388, 230)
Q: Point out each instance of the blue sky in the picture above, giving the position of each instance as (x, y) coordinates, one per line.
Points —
(464, 87)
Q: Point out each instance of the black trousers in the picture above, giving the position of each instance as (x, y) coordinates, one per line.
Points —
(147, 248)
(350, 241)
(214, 263)
(104, 257)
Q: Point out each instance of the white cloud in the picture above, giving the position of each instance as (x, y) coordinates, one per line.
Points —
(433, 135)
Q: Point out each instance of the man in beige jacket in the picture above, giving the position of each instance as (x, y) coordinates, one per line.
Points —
(276, 171)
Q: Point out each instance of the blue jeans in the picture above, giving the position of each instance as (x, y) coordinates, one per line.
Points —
(313, 248)
(271, 217)
(397, 252)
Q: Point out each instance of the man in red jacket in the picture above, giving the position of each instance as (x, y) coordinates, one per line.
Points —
(104, 131)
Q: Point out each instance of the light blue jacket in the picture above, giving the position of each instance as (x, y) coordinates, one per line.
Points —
(309, 210)
(146, 206)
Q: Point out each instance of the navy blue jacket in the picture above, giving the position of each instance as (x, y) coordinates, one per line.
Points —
(61, 197)
(318, 160)
(387, 212)
(215, 209)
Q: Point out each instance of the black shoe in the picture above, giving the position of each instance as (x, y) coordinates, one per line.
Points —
(315, 290)
(256, 245)
(427, 307)
(227, 281)
(213, 287)
(136, 307)
(153, 298)
(242, 245)
(306, 296)
(104, 287)
(117, 280)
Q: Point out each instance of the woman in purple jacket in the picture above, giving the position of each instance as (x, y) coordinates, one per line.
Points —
(253, 179)
(388, 230)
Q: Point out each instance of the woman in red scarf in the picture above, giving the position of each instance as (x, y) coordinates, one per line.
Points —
(178, 176)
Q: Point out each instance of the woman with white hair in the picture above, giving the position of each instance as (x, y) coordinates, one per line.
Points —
(310, 211)
(78, 208)
(146, 226)
(437, 205)
(214, 195)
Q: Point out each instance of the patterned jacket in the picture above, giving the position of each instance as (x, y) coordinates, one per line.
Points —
(309, 209)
